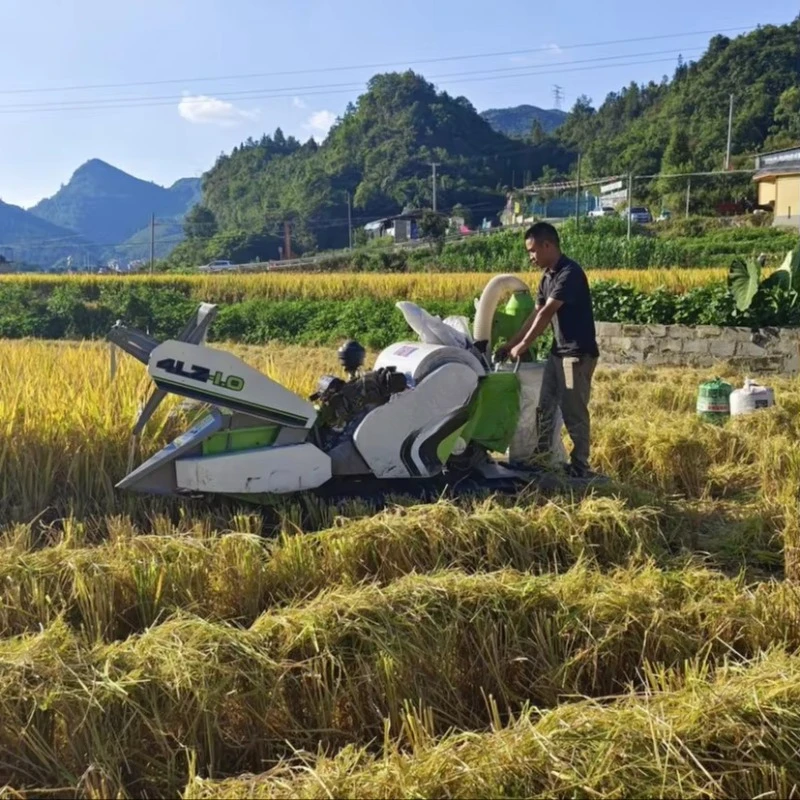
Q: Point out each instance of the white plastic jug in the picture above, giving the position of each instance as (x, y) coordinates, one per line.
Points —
(751, 397)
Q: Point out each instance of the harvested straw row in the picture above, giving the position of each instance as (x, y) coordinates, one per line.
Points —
(736, 736)
(330, 672)
(129, 582)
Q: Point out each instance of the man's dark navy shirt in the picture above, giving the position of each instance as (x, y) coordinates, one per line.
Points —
(573, 323)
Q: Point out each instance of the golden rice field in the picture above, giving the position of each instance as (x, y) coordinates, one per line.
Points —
(233, 288)
(638, 640)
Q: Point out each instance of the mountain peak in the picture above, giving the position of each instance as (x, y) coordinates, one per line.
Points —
(96, 166)
(518, 120)
(95, 162)
(107, 205)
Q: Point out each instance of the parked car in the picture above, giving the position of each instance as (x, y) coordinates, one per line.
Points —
(605, 211)
(218, 266)
(664, 216)
(640, 215)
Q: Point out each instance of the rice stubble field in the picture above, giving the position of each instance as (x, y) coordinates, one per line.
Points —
(637, 640)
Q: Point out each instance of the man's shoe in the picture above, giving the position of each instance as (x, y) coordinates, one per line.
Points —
(578, 471)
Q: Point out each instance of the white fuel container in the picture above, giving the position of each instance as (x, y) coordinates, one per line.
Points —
(751, 397)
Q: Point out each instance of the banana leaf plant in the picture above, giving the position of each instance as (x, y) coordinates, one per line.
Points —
(746, 286)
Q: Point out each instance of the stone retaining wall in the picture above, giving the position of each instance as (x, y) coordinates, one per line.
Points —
(766, 350)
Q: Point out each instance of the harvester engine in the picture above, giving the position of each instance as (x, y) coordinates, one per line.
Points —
(343, 404)
(343, 401)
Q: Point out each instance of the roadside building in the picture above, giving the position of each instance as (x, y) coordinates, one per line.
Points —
(399, 228)
(778, 178)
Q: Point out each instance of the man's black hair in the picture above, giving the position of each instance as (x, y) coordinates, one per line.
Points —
(543, 232)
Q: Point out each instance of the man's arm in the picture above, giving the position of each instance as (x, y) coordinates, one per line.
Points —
(529, 333)
(541, 300)
(517, 337)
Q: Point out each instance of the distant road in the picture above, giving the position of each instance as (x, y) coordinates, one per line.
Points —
(310, 261)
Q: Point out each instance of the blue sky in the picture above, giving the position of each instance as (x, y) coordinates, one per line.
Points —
(184, 114)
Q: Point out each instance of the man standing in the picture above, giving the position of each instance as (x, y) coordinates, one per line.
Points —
(565, 300)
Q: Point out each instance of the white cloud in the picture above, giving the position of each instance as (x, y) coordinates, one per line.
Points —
(320, 122)
(298, 103)
(533, 60)
(204, 110)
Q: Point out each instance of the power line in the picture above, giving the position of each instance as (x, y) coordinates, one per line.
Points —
(311, 225)
(699, 174)
(70, 237)
(114, 104)
(440, 59)
(261, 93)
(566, 185)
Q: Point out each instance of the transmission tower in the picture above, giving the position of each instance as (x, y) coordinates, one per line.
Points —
(558, 95)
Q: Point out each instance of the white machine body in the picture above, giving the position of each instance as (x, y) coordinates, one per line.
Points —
(418, 359)
(270, 470)
(221, 378)
(392, 437)
(421, 361)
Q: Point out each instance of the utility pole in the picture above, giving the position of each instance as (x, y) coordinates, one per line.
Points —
(349, 223)
(433, 166)
(630, 200)
(287, 240)
(730, 127)
(152, 241)
(688, 193)
(578, 196)
(798, 214)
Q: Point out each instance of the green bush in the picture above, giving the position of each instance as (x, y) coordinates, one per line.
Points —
(695, 226)
(58, 311)
(595, 248)
(597, 243)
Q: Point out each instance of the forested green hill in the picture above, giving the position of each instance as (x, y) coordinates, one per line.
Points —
(380, 151)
